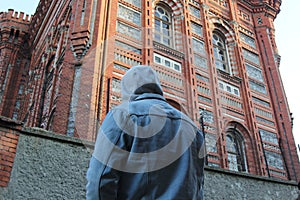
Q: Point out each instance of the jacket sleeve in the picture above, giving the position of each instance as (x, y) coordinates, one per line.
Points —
(93, 179)
(102, 181)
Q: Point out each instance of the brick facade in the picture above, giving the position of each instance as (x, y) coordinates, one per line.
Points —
(14, 62)
(8, 148)
(79, 51)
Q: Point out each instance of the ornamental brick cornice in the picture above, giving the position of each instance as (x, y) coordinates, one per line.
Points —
(233, 79)
(79, 43)
(167, 50)
(267, 9)
(272, 8)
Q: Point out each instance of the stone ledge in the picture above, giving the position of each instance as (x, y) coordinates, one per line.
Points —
(252, 176)
(10, 123)
(42, 133)
(39, 132)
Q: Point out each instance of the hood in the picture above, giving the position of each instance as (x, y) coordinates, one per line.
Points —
(138, 80)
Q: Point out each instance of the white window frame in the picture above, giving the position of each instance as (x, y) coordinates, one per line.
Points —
(223, 86)
(173, 64)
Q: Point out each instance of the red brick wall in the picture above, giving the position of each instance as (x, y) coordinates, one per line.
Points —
(8, 147)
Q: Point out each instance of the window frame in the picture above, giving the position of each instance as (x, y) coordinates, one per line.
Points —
(239, 154)
(174, 65)
(221, 59)
(159, 23)
(233, 89)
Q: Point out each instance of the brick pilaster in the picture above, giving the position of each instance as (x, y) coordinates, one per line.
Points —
(8, 146)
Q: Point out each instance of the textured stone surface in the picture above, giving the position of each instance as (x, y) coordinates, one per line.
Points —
(47, 169)
(229, 186)
(53, 168)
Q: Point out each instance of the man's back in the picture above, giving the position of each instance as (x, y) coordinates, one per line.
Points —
(146, 149)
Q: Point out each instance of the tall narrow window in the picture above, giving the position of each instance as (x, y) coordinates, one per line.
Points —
(235, 152)
(220, 52)
(163, 25)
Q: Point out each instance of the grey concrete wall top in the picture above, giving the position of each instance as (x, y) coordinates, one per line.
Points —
(51, 166)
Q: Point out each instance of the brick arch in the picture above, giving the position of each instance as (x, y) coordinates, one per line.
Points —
(177, 105)
(249, 144)
(229, 33)
(177, 11)
(175, 5)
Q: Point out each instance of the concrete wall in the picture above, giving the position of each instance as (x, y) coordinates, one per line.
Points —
(48, 168)
(52, 166)
(221, 184)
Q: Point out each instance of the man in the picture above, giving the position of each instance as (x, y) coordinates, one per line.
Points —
(145, 148)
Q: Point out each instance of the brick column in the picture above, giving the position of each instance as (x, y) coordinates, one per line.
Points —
(8, 147)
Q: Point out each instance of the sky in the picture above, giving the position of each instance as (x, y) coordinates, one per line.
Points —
(287, 31)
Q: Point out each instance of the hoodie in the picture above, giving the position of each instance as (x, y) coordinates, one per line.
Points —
(145, 148)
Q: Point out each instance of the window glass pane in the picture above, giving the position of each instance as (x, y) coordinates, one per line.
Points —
(128, 47)
(167, 63)
(157, 59)
(252, 57)
(198, 46)
(228, 88)
(157, 37)
(197, 29)
(116, 85)
(136, 3)
(258, 87)
(261, 102)
(254, 72)
(263, 120)
(160, 10)
(200, 61)
(208, 116)
(230, 144)
(120, 67)
(221, 85)
(232, 162)
(166, 41)
(165, 18)
(248, 40)
(268, 136)
(202, 78)
(194, 11)
(211, 143)
(236, 92)
(176, 67)
(274, 160)
(128, 30)
(129, 14)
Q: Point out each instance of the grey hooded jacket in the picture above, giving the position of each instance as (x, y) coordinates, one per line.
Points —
(145, 148)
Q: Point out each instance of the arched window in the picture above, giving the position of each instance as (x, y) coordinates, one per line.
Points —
(235, 152)
(163, 25)
(220, 52)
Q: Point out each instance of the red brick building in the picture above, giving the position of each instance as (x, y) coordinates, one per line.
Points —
(61, 71)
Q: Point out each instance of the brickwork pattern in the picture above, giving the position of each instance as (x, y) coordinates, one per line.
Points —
(8, 148)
